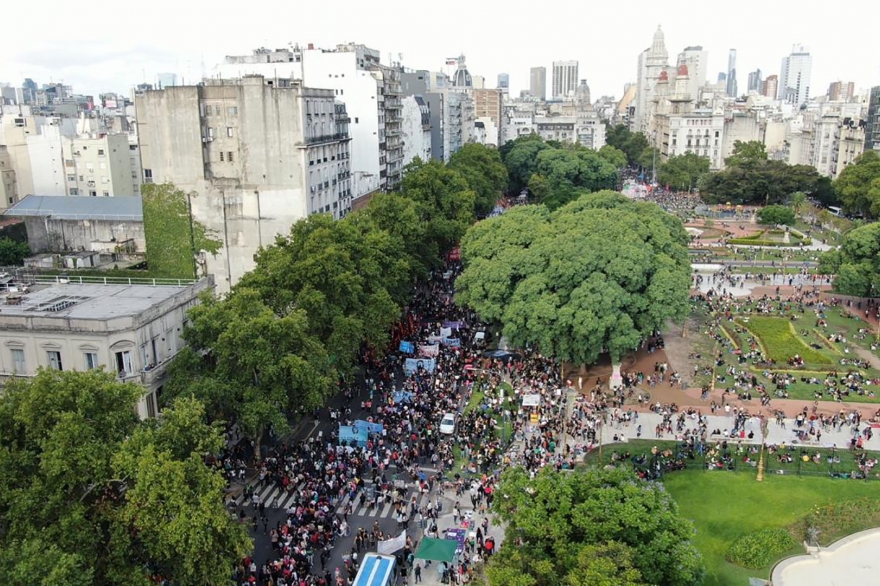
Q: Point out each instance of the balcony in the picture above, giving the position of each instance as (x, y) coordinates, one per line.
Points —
(315, 140)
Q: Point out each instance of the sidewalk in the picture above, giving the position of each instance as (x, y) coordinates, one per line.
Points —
(776, 434)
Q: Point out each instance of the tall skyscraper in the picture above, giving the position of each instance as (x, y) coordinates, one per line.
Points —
(652, 62)
(770, 86)
(503, 82)
(841, 91)
(731, 74)
(565, 78)
(538, 82)
(695, 58)
(755, 81)
(794, 76)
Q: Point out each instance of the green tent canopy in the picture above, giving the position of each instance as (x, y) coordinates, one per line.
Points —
(437, 550)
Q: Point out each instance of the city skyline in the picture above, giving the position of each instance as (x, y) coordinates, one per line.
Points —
(119, 59)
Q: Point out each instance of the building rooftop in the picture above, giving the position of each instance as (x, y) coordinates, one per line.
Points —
(67, 207)
(87, 301)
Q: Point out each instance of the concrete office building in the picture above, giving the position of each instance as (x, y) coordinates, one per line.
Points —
(538, 83)
(770, 86)
(652, 62)
(755, 81)
(696, 60)
(732, 88)
(794, 77)
(258, 154)
(872, 120)
(416, 128)
(840, 91)
(133, 331)
(565, 78)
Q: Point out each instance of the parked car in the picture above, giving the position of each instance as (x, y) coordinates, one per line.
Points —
(447, 424)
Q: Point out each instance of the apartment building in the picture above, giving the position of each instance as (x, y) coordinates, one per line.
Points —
(257, 154)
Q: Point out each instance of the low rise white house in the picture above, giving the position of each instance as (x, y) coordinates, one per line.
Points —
(131, 330)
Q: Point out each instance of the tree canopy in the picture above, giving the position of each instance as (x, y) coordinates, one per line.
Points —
(856, 264)
(520, 156)
(600, 273)
(859, 186)
(570, 172)
(484, 173)
(748, 153)
(632, 144)
(91, 496)
(777, 214)
(682, 172)
(292, 328)
(613, 155)
(603, 527)
(759, 182)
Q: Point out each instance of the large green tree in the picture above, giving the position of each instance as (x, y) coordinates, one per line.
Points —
(777, 214)
(448, 200)
(856, 264)
(613, 155)
(258, 365)
(80, 502)
(632, 144)
(760, 182)
(599, 274)
(747, 153)
(859, 186)
(603, 527)
(484, 173)
(521, 160)
(682, 172)
(569, 172)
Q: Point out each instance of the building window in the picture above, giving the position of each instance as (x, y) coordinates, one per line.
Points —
(73, 191)
(100, 152)
(148, 175)
(123, 362)
(105, 193)
(222, 156)
(91, 361)
(207, 110)
(229, 132)
(93, 193)
(54, 358)
(211, 133)
(232, 110)
(356, 120)
(18, 363)
(229, 156)
(71, 178)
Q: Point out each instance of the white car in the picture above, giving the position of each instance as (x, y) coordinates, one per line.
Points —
(447, 424)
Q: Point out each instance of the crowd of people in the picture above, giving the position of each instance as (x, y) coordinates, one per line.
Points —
(329, 476)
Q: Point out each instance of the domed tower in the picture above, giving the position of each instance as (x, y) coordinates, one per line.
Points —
(582, 96)
(681, 95)
(462, 77)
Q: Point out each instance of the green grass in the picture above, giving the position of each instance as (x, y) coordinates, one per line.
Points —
(725, 506)
(780, 341)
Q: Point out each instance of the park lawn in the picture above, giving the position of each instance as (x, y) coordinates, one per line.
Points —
(780, 341)
(725, 506)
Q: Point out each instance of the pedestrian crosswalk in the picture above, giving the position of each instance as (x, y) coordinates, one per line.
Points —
(275, 496)
(384, 510)
(270, 494)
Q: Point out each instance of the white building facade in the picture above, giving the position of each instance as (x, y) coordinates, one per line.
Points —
(794, 76)
(132, 331)
(416, 129)
(565, 78)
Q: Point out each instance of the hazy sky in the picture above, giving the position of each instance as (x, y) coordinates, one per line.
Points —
(113, 47)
